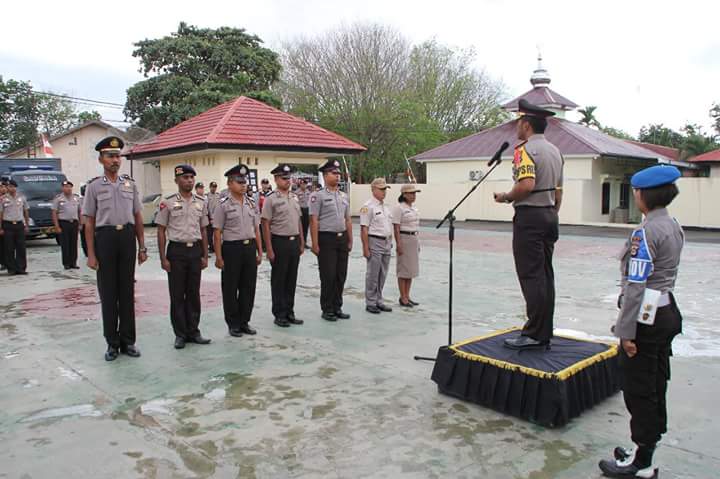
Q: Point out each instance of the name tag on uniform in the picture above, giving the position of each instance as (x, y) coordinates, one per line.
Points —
(328, 200)
(649, 307)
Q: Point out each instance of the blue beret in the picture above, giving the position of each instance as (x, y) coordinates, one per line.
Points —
(655, 176)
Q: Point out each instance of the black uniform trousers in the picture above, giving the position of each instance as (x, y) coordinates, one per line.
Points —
(2, 250)
(115, 251)
(14, 246)
(305, 222)
(184, 283)
(69, 242)
(238, 280)
(210, 232)
(333, 263)
(535, 231)
(283, 276)
(83, 240)
(645, 375)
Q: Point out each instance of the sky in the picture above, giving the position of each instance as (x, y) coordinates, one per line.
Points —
(638, 61)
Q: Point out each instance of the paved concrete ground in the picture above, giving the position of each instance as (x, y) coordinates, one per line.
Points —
(325, 399)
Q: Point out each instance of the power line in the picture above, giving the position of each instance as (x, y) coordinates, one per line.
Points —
(86, 101)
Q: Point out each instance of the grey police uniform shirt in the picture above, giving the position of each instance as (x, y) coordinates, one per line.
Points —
(212, 201)
(649, 259)
(68, 208)
(236, 220)
(13, 207)
(283, 213)
(183, 218)
(376, 216)
(539, 159)
(406, 216)
(111, 204)
(332, 208)
(303, 197)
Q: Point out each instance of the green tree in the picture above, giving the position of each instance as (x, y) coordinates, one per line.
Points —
(85, 116)
(659, 134)
(616, 132)
(696, 142)
(195, 69)
(715, 115)
(588, 116)
(18, 115)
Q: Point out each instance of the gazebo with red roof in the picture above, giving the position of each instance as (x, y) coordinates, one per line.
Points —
(243, 131)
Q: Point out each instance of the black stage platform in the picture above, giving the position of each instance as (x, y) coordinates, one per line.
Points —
(545, 387)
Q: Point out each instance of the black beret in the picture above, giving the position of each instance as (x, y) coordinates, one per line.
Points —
(283, 169)
(330, 165)
(529, 109)
(67, 183)
(184, 170)
(111, 143)
(237, 170)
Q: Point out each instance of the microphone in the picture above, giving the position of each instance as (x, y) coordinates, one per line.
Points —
(498, 154)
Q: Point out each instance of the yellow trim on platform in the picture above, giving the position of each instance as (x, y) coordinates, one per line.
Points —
(560, 375)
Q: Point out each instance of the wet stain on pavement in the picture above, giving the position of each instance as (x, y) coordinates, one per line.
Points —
(559, 456)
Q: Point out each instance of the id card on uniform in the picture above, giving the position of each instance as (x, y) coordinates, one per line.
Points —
(649, 307)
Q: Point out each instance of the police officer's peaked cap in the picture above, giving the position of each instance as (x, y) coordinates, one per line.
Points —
(655, 176)
(330, 165)
(199, 184)
(67, 183)
(529, 109)
(184, 170)
(237, 170)
(111, 143)
(212, 183)
(283, 169)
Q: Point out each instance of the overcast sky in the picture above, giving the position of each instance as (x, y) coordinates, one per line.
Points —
(638, 61)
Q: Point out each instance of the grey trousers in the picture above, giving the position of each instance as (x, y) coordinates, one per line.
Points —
(377, 269)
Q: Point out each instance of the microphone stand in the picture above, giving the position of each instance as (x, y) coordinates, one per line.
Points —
(450, 218)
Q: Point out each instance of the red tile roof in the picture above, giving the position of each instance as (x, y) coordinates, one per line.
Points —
(572, 139)
(672, 153)
(544, 97)
(244, 123)
(710, 156)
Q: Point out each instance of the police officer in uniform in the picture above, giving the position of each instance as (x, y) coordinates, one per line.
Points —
(376, 234)
(238, 252)
(113, 223)
(212, 200)
(303, 195)
(3, 192)
(182, 220)
(282, 227)
(15, 219)
(649, 319)
(66, 219)
(536, 196)
(331, 233)
(83, 241)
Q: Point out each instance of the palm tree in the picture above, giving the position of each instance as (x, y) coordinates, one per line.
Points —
(588, 116)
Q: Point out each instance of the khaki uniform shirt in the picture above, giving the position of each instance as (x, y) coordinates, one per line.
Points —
(303, 197)
(183, 218)
(212, 200)
(332, 208)
(236, 220)
(649, 259)
(13, 207)
(376, 216)
(68, 208)
(283, 213)
(112, 204)
(539, 159)
(406, 216)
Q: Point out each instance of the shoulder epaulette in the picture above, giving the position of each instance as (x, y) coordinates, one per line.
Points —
(93, 179)
(223, 200)
(127, 177)
(199, 197)
(169, 197)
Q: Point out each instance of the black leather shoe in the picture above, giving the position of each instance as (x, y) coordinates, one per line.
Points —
(384, 309)
(342, 315)
(246, 329)
(282, 322)
(179, 342)
(413, 302)
(618, 469)
(75, 267)
(405, 305)
(329, 317)
(236, 333)
(21, 272)
(130, 350)
(293, 320)
(199, 339)
(111, 354)
(67, 267)
(372, 309)
(526, 342)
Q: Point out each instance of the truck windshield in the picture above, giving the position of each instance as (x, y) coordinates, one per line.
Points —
(39, 186)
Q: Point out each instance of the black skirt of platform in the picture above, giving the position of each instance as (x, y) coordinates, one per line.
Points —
(545, 387)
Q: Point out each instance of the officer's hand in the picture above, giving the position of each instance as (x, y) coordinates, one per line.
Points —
(499, 197)
(258, 259)
(142, 257)
(27, 229)
(315, 249)
(399, 250)
(92, 263)
(366, 253)
(57, 229)
(620, 301)
(271, 255)
(302, 249)
(165, 263)
(219, 263)
(204, 263)
(349, 245)
(2, 232)
(629, 346)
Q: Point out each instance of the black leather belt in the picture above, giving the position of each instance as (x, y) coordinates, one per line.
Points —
(380, 237)
(244, 242)
(334, 233)
(188, 244)
(289, 238)
(114, 227)
(414, 233)
(12, 222)
(68, 221)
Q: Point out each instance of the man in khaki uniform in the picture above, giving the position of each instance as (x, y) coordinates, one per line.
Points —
(183, 219)
(66, 218)
(376, 231)
(15, 218)
(536, 197)
(282, 226)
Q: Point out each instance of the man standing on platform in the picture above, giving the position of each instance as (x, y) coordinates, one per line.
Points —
(331, 232)
(536, 197)
(238, 252)
(113, 223)
(66, 218)
(212, 200)
(376, 234)
(182, 220)
(14, 218)
(282, 225)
